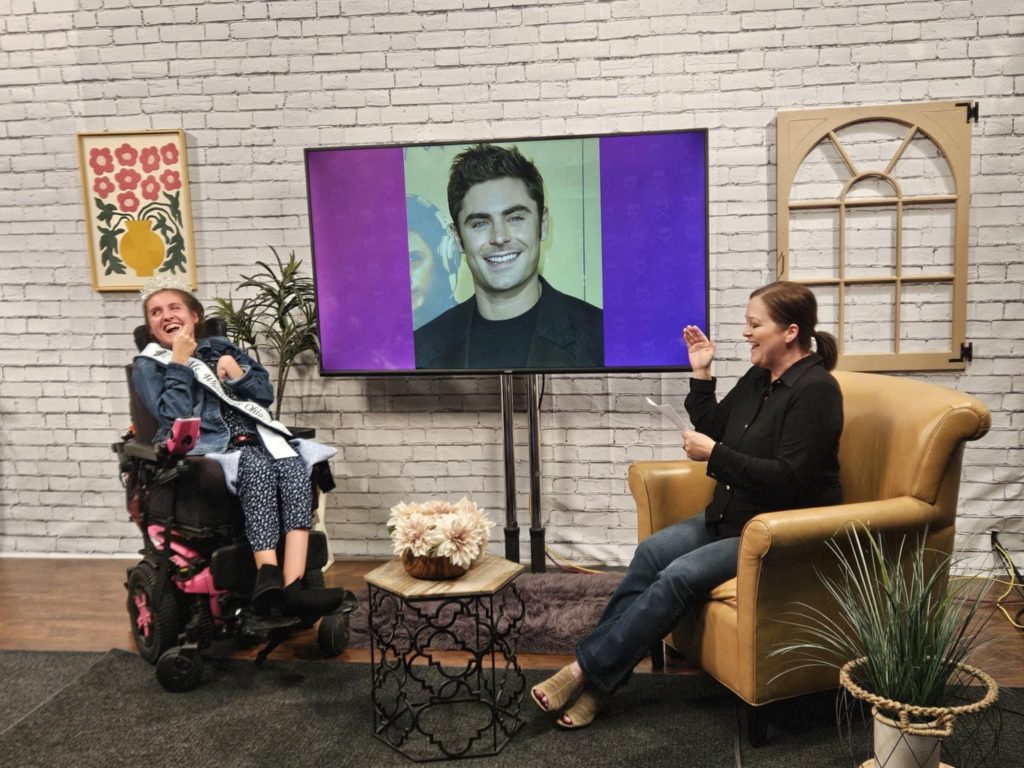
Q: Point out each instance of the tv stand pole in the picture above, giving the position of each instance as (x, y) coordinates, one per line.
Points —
(537, 549)
(511, 523)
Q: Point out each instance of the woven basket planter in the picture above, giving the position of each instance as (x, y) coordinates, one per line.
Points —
(909, 735)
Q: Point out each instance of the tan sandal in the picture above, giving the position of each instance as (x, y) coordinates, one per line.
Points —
(582, 713)
(559, 689)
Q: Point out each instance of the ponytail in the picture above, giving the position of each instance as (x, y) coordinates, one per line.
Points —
(826, 346)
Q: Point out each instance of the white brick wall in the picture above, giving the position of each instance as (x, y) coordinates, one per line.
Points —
(254, 83)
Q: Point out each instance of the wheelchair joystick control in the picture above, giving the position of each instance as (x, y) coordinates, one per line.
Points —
(184, 433)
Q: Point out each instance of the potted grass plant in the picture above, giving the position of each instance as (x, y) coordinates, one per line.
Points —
(905, 632)
(278, 317)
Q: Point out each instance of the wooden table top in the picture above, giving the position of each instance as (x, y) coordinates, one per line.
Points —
(488, 575)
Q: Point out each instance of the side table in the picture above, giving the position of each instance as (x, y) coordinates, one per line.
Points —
(446, 682)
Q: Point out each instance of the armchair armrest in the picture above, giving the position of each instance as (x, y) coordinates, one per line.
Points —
(785, 534)
(667, 492)
(787, 549)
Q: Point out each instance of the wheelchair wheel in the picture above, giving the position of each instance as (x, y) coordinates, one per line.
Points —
(332, 636)
(154, 627)
(179, 670)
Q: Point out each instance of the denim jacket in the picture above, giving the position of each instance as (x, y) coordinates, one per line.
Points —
(171, 392)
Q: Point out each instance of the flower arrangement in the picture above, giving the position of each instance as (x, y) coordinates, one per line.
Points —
(125, 174)
(459, 532)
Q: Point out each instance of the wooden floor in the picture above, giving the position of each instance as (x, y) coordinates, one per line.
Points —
(79, 605)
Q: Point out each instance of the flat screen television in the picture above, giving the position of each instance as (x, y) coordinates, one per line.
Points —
(570, 255)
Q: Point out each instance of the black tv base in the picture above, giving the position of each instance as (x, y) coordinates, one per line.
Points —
(537, 546)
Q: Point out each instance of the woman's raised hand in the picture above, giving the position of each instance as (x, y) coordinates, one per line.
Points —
(184, 344)
(700, 348)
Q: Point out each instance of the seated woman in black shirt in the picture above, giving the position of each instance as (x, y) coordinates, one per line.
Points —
(771, 443)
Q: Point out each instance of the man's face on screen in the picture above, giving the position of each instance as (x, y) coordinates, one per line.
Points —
(500, 230)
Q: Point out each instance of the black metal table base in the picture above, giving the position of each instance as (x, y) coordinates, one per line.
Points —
(468, 706)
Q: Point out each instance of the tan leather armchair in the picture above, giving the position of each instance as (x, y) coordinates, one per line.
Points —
(900, 459)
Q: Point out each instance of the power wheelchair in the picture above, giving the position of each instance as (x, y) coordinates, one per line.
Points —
(193, 584)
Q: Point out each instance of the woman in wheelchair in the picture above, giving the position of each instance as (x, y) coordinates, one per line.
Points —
(180, 374)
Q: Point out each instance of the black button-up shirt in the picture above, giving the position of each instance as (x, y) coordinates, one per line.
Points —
(776, 443)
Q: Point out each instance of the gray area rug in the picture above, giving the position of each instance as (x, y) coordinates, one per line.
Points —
(107, 710)
(28, 678)
(318, 713)
(560, 609)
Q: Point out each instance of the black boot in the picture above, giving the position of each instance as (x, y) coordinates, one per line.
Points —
(268, 594)
(310, 603)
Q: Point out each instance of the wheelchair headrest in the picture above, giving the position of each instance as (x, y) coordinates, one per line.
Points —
(215, 326)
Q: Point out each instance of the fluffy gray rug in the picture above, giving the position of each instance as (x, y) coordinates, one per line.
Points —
(560, 608)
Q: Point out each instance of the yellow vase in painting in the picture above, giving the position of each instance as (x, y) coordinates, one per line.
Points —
(142, 249)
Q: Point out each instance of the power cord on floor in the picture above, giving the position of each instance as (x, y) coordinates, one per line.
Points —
(565, 565)
(1015, 583)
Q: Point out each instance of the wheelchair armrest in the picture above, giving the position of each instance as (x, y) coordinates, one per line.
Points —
(166, 466)
(143, 451)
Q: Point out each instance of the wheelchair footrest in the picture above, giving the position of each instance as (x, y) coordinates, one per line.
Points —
(259, 626)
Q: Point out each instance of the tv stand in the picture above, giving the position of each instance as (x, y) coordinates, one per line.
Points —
(537, 548)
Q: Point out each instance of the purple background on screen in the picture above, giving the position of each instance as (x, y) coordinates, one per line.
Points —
(653, 235)
(361, 259)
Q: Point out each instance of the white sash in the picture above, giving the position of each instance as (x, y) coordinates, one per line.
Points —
(272, 432)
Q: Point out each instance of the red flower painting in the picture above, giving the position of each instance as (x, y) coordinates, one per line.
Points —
(128, 202)
(100, 160)
(150, 188)
(170, 179)
(149, 159)
(169, 153)
(126, 155)
(103, 187)
(130, 180)
(127, 178)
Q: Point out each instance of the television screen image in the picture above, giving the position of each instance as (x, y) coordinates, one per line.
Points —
(578, 254)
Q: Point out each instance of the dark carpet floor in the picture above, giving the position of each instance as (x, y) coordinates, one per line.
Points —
(108, 710)
(318, 713)
(30, 678)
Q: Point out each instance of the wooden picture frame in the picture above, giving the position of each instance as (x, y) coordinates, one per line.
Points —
(138, 213)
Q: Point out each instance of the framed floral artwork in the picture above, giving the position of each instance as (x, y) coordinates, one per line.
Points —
(138, 215)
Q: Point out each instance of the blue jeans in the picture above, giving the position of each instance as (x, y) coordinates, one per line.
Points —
(672, 572)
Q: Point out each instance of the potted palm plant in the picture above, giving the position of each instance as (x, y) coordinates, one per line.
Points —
(902, 641)
(279, 318)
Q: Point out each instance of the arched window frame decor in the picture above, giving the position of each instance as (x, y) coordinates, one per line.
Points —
(947, 126)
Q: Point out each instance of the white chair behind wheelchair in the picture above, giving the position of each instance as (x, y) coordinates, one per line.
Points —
(194, 583)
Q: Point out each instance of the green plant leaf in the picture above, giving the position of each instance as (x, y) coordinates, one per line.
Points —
(278, 316)
(173, 202)
(898, 607)
(111, 262)
(162, 226)
(107, 211)
(175, 259)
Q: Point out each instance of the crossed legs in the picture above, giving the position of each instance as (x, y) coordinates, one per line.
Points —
(670, 574)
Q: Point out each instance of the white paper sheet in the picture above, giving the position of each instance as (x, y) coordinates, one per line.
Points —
(670, 413)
